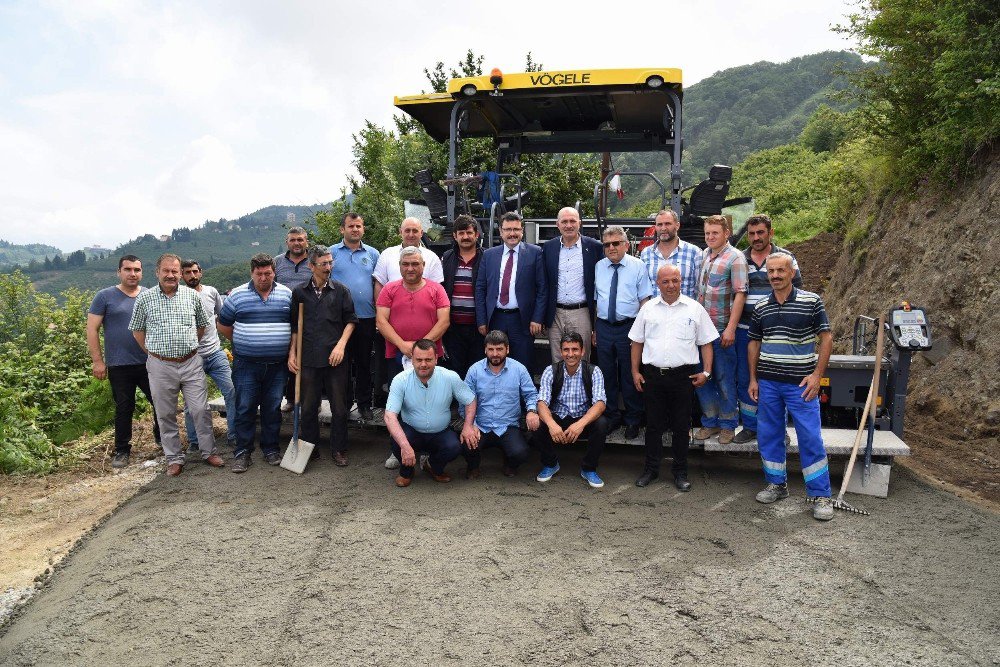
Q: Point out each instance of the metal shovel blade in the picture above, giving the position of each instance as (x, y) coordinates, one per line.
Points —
(298, 451)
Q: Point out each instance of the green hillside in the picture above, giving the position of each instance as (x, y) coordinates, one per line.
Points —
(13, 253)
(214, 243)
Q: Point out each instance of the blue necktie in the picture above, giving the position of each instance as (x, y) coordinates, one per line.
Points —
(613, 296)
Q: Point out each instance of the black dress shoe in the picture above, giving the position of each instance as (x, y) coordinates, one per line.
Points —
(646, 478)
(682, 483)
(614, 425)
(367, 415)
(631, 431)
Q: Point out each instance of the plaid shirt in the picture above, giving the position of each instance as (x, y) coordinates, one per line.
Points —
(572, 400)
(171, 323)
(686, 256)
(722, 276)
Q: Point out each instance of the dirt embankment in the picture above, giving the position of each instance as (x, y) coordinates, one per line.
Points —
(937, 250)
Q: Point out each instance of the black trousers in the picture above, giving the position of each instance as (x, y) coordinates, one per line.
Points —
(359, 360)
(512, 442)
(464, 346)
(595, 433)
(124, 381)
(668, 396)
(316, 381)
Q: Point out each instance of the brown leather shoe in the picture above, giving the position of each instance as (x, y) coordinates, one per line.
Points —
(472, 473)
(403, 482)
(215, 461)
(174, 469)
(509, 472)
(340, 459)
(443, 477)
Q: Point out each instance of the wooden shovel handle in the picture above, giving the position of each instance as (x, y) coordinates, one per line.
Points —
(298, 355)
(869, 405)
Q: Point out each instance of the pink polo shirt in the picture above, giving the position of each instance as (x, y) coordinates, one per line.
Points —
(412, 314)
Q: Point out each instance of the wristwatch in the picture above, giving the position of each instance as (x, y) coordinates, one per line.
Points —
(706, 374)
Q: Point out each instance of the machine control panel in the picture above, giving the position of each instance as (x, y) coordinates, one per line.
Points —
(909, 328)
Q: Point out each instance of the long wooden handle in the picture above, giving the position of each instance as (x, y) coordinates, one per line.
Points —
(869, 403)
(298, 356)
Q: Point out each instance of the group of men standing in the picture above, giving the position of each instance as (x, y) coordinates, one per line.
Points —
(675, 321)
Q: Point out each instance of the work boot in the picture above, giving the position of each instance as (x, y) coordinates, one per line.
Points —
(726, 436)
(120, 460)
(823, 509)
(745, 436)
(241, 463)
(772, 493)
(704, 433)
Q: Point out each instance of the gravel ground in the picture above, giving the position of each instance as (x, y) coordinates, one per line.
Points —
(340, 567)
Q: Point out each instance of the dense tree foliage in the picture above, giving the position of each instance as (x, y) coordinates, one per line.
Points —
(935, 99)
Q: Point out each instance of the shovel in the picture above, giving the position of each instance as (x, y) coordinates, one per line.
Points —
(298, 451)
(839, 503)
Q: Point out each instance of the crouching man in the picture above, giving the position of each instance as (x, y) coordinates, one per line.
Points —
(418, 415)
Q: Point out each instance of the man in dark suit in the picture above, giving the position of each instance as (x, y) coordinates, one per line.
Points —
(511, 290)
(463, 344)
(570, 259)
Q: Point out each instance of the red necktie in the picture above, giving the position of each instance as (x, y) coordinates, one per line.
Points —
(505, 284)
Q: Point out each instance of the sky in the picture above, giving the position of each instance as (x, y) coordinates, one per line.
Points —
(120, 118)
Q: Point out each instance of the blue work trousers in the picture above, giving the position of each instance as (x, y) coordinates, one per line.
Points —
(718, 396)
(774, 399)
(216, 366)
(614, 356)
(258, 385)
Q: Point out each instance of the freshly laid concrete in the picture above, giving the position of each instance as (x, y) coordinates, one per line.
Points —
(338, 566)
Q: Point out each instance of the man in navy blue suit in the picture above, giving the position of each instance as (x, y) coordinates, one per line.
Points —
(570, 259)
(511, 290)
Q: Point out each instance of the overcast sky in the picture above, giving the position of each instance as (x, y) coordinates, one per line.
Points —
(123, 118)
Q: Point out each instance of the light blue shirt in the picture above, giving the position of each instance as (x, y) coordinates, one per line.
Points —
(570, 288)
(633, 286)
(512, 301)
(499, 395)
(427, 407)
(354, 269)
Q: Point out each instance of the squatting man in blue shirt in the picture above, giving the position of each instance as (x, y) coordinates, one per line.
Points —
(418, 415)
(500, 384)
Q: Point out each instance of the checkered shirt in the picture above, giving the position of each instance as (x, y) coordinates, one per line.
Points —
(722, 276)
(686, 256)
(572, 400)
(171, 323)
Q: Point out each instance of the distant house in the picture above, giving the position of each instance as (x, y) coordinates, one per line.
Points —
(164, 237)
(255, 243)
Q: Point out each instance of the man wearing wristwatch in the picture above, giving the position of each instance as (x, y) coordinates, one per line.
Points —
(666, 337)
(501, 384)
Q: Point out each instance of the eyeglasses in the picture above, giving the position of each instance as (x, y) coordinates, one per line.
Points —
(328, 263)
(613, 244)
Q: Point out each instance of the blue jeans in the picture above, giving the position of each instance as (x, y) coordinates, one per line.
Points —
(748, 406)
(216, 366)
(258, 385)
(614, 352)
(775, 398)
(718, 395)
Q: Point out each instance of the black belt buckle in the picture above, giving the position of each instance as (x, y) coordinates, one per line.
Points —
(572, 306)
(507, 311)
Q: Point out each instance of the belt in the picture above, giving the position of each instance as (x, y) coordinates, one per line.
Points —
(572, 306)
(686, 369)
(507, 311)
(619, 323)
(176, 360)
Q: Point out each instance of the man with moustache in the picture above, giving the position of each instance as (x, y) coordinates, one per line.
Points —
(787, 330)
(292, 270)
(671, 249)
(669, 332)
(462, 342)
(327, 325)
(168, 322)
(761, 238)
(501, 385)
(353, 263)
(257, 318)
(570, 259)
(123, 363)
(213, 358)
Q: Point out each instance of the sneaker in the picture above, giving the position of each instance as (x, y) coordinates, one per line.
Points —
(823, 509)
(726, 436)
(120, 460)
(547, 473)
(286, 405)
(745, 436)
(704, 433)
(392, 462)
(772, 493)
(592, 478)
(241, 463)
(272, 458)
